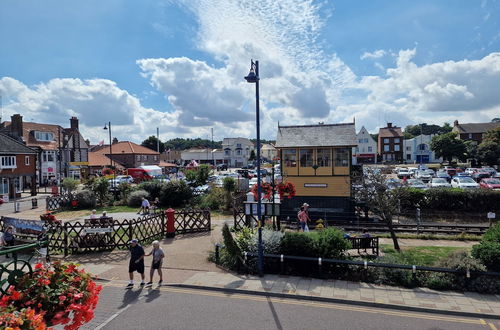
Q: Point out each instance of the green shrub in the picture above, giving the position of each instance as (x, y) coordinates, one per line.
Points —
(124, 190)
(488, 250)
(392, 276)
(70, 184)
(244, 238)
(213, 200)
(86, 199)
(153, 188)
(175, 193)
(271, 242)
(298, 244)
(135, 198)
(100, 187)
(330, 243)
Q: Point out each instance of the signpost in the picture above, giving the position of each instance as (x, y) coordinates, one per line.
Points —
(491, 216)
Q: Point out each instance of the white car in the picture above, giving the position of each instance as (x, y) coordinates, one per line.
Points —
(252, 182)
(439, 183)
(416, 183)
(470, 170)
(464, 182)
(403, 173)
(424, 175)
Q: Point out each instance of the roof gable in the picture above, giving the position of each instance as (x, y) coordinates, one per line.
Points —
(9, 145)
(333, 135)
(476, 127)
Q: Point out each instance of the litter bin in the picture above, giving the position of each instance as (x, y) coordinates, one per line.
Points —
(17, 207)
(34, 203)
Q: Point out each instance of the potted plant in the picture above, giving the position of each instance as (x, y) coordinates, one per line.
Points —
(286, 189)
(266, 190)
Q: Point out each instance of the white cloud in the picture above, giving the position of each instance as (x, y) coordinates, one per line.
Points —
(376, 54)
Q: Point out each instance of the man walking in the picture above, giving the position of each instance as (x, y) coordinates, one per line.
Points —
(136, 262)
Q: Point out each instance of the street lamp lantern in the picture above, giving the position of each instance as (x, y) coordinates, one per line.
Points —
(253, 77)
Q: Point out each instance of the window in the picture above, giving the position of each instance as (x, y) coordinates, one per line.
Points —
(306, 157)
(290, 157)
(396, 147)
(227, 152)
(408, 148)
(422, 147)
(238, 145)
(386, 147)
(360, 140)
(138, 157)
(8, 162)
(470, 135)
(26, 160)
(386, 140)
(357, 149)
(238, 152)
(323, 157)
(396, 140)
(370, 149)
(48, 156)
(342, 157)
(156, 157)
(144, 157)
(44, 136)
(408, 156)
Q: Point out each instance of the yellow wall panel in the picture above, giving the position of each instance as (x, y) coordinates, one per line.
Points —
(335, 186)
(341, 170)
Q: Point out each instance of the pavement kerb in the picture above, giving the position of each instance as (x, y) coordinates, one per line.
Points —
(335, 300)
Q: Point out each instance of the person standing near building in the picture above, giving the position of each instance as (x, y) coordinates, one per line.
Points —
(136, 263)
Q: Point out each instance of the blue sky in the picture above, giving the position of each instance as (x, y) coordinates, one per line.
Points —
(179, 64)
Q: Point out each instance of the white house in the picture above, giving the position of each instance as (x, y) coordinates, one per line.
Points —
(203, 156)
(237, 151)
(366, 151)
(418, 150)
(268, 152)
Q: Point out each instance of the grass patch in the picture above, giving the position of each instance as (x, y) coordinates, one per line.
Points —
(461, 237)
(81, 213)
(421, 255)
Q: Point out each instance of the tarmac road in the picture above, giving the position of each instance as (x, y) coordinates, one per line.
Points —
(178, 308)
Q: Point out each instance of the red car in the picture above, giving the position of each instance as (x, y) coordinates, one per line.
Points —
(490, 183)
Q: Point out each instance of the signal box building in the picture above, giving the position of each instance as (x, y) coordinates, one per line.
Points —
(317, 160)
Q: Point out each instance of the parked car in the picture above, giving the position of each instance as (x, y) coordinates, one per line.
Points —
(221, 167)
(480, 174)
(470, 170)
(252, 182)
(416, 183)
(439, 183)
(425, 175)
(393, 183)
(488, 169)
(464, 182)
(443, 174)
(413, 171)
(403, 173)
(490, 183)
(451, 170)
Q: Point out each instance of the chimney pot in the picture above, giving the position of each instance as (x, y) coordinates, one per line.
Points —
(73, 123)
(16, 125)
(389, 125)
(455, 123)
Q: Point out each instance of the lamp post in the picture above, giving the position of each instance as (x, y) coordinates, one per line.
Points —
(253, 77)
(110, 153)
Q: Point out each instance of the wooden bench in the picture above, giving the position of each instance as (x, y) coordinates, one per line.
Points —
(364, 243)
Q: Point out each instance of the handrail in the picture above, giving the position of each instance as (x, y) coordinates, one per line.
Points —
(365, 264)
(23, 247)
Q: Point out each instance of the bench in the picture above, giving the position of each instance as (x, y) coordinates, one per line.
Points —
(364, 243)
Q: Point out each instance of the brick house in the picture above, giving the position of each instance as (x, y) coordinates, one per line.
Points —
(390, 143)
(473, 131)
(17, 167)
(124, 154)
(62, 152)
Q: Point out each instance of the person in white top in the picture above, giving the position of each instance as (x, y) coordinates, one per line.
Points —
(156, 263)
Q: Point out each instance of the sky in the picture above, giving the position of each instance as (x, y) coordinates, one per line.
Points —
(179, 64)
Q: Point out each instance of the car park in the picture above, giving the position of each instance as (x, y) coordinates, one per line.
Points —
(488, 169)
(450, 170)
(393, 183)
(425, 175)
(403, 173)
(480, 174)
(443, 174)
(490, 183)
(439, 183)
(416, 183)
(464, 182)
(221, 167)
(470, 170)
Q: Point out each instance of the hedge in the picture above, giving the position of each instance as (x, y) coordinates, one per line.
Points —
(477, 200)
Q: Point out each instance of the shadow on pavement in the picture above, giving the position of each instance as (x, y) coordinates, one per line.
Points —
(130, 297)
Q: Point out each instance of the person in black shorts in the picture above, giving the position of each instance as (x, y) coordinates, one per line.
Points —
(136, 262)
(156, 263)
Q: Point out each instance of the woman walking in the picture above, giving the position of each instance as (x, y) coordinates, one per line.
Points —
(156, 263)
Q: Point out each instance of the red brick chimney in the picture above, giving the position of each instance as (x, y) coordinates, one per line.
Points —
(389, 125)
(74, 123)
(16, 125)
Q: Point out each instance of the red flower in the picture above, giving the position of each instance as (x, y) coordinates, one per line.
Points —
(38, 266)
(62, 298)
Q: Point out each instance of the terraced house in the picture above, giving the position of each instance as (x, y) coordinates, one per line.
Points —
(317, 160)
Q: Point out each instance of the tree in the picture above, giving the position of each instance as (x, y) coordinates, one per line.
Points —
(415, 130)
(370, 190)
(183, 144)
(471, 150)
(448, 146)
(252, 155)
(489, 150)
(70, 184)
(198, 177)
(229, 185)
(495, 120)
(100, 187)
(151, 143)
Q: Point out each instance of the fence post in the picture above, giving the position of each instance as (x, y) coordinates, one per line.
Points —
(418, 221)
(170, 213)
(207, 213)
(130, 229)
(65, 235)
(162, 215)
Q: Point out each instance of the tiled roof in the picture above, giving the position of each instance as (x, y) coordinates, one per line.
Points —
(390, 132)
(29, 137)
(334, 135)
(475, 127)
(101, 160)
(125, 147)
(9, 145)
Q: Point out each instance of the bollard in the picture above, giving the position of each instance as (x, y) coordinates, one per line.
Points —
(217, 253)
(34, 203)
(17, 207)
(170, 214)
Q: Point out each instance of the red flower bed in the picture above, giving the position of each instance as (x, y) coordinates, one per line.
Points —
(266, 190)
(62, 295)
(49, 218)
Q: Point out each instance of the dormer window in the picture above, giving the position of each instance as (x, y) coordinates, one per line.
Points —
(44, 136)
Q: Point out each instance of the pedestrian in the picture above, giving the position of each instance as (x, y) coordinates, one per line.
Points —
(156, 263)
(306, 210)
(136, 263)
(155, 205)
(93, 215)
(366, 234)
(302, 215)
(43, 239)
(144, 206)
(8, 238)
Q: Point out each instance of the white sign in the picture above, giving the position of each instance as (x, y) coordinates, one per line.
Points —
(98, 230)
(491, 215)
(315, 185)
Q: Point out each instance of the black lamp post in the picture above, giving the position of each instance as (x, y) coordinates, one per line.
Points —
(253, 77)
(110, 153)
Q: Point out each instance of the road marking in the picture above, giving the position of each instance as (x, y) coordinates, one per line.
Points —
(294, 301)
(492, 326)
